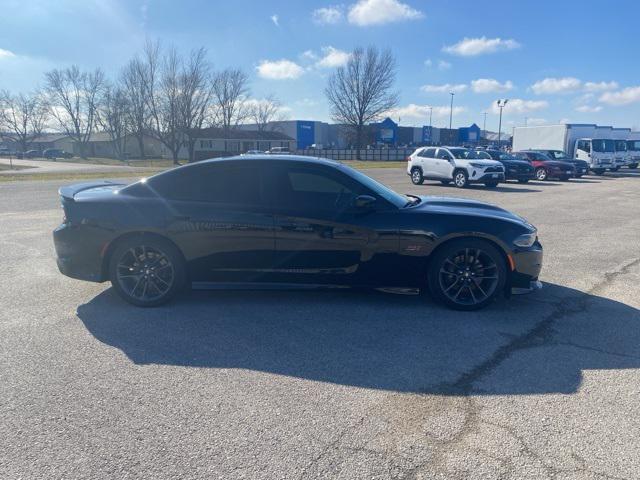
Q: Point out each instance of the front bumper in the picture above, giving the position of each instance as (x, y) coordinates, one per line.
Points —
(487, 177)
(527, 265)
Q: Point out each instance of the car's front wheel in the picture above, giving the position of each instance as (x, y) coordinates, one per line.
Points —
(541, 174)
(416, 176)
(460, 179)
(467, 274)
(146, 271)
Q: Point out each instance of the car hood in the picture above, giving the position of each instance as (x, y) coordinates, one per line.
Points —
(481, 162)
(465, 206)
(516, 163)
(89, 190)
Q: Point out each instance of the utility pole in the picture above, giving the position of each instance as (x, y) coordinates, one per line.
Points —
(451, 111)
(484, 125)
(501, 104)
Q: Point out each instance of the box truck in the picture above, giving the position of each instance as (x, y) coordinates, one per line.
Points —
(622, 155)
(633, 147)
(583, 141)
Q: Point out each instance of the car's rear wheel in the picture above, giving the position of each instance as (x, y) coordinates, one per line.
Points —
(416, 176)
(467, 274)
(146, 271)
(460, 179)
(541, 174)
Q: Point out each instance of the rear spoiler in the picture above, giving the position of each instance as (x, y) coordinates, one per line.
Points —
(70, 191)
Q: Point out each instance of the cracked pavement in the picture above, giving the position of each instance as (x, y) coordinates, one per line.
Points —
(298, 384)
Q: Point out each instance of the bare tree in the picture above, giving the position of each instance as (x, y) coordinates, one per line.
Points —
(23, 116)
(113, 116)
(263, 112)
(360, 92)
(164, 99)
(196, 93)
(73, 99)
(230, 89)
(135, 85)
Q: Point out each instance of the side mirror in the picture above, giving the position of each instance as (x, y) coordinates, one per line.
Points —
(364, 202)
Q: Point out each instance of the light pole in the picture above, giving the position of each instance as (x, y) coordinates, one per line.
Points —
(451, 111)
(501, 104)
(484, 125)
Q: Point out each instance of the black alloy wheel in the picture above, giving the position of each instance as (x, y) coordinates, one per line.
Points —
(146, 271)
(467, 274)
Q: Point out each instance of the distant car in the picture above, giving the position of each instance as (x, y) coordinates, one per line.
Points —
(453, 164)
(32, 154)
(253, 152)
(545, 167)
(56, 153)
(582, 167)
(514, 168)
(279, 150)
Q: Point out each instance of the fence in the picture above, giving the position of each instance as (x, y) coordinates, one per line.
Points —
(372, 155)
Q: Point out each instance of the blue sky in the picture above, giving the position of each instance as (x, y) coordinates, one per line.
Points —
(554, 60)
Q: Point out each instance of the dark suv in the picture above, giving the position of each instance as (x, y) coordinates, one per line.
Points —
(582, 167)
(56, 153)
(545, 167)
(514, 168)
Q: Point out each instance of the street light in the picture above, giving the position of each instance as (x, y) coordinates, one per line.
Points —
(501, 104)
(451, 111)
(484, 125)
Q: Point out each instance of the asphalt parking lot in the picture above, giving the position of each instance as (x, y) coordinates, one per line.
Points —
(299, 384)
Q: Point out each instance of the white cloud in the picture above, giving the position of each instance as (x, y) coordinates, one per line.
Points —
(379, 12)
(520, 106)
(309, 55)
(275, 19)
(327, 15)
(622, 97)
(445, 88)
(556, 85)
(6, 53)
(420, 113)
(490, 85)
(441, 65)
(332, 57)
(600, 86)
(469, 47)
(588, 109)
(536, 121)
(279, 69)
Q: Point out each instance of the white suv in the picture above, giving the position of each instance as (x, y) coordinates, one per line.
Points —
(453, 164)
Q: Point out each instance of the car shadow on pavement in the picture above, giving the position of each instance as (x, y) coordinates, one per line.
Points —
(534, 344)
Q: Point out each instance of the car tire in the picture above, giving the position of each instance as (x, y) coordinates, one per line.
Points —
(416, 176)
(146, 270)
(455, 288)
(541, 174)
(598, 171)
(460, 179)
(523, 180)
(491, 184)
(632, 166)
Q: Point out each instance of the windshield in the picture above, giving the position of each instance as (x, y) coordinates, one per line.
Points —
(621, 145)
(378, 188)
(601, 145)
(633, 145)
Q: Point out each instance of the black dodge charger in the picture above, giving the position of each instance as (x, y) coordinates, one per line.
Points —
(289, 220)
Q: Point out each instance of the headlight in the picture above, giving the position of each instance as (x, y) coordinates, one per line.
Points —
(477, 165)
(526, 240)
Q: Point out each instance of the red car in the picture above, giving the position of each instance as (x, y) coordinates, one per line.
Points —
(545, 167)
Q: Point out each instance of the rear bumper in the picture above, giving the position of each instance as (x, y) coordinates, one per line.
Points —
(78, 253)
